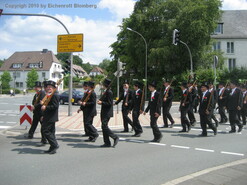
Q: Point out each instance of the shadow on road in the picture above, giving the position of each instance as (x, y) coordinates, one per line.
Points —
(28, 151)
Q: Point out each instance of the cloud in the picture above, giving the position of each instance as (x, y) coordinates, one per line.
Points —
(119, 8)
(234, 4)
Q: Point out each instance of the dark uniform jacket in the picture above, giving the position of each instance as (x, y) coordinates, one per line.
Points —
(193, 94)
(215, 95)
(235, 100)
(222, 102)
(169, 98)
(185, 98)
(36, 103)
(51, 112)
(153, 104)
(244, 101)
(126, 99)
(137, 98)
(90, 108)
(107, 104)
(204, 103)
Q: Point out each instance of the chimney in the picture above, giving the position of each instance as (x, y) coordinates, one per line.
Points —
(45, 51)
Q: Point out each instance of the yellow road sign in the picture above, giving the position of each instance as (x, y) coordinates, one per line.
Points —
(69, 43)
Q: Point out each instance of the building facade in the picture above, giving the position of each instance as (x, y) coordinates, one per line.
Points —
(44, 62)
(231, 38)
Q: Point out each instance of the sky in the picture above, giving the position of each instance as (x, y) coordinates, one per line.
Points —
(98, 20)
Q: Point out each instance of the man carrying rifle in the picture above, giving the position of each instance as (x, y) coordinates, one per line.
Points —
(244, 108)
(88, 106)
(126, 106)
(37, 113)
(215, 95)
(154, 108)
(206, 110)
(184, 107)
(234, 105)
(167, 103)
(85, 87)
(193, 95)
(50, 115)
(106, 102)
(222, 101)
(137, 108)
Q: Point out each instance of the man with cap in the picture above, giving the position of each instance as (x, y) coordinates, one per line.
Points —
(50, 115)
(137, 108)
(222, 93)
(106, 102)
(234, 105)
(89, 112)
(184, 107)
(126, 97)
(36, 108)
(193, 95)
(215, 95)
(206, 110)
(244, 108)
(85, 87)
(154, 109)
(167, 98)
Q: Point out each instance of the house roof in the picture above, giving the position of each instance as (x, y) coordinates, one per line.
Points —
(234, 25)
(30, 57)
(79, 70)
(97, 69)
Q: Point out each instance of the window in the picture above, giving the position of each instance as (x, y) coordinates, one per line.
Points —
(21, 84)
(53, 75)
(43, 75)
(17, 65)
(231, 63)
(17, 84)
(230, 47)
(34, 65)
(219, 29)
(217, 46)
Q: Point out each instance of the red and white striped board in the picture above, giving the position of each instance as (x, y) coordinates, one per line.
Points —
(25, 115)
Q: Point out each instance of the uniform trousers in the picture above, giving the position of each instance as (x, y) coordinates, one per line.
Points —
(136, 123)
(107, 133)
(36, 120)
(167, 115)
(234, 119)
(184, 120)
(126, 120)
(92, 131)
(222, 113)
(191, 114)
(156, 132)
(48, 130)
(205, 119)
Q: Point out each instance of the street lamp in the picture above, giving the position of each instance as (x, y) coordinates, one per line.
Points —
(146, 62)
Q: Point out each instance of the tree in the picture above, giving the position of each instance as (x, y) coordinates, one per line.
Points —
(65, 56)
(87, 67)
(156, 20)
(6, 79)
(105, 64)
(1, 62)
(32, 77)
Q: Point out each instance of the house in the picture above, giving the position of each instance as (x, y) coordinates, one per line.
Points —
(96, 71)
(79, 71)
(20, 63)
(231, 38)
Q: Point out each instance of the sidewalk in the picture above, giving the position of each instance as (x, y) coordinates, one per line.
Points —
(228, 174)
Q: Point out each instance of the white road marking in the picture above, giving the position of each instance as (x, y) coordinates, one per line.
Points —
(136, 141)
(4, 103)
(4, 127)
(11, 122)
(122, 139)
(2, 114)
(159, 144)
(13, 115)
(204, 150)
(232, 153)
(177, 146)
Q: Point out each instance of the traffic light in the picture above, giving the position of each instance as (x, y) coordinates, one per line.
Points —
(1, 11)
(175, 38)
(66, 67)
(120, 68)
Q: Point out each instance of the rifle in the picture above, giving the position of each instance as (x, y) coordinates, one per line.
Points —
(45, 101)
(222, 93)
(143, 92)
(209, 102)
(166, 95)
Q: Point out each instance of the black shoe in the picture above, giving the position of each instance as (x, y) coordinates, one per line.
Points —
(89, 139)
(182, 131)
(240, 128)
(189, 128)
(52, 150)
(124, 131)
(215, 131)
(85, 135)
(165, 126)
(115, 142)
(43, 141)
(137, 135)
(105, 145)
(158, 140)
(94, 139)
(232, 131)
(30, 137)
(203, 135)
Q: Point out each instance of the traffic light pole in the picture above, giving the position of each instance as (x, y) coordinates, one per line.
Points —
(71, 56)
(191, 62)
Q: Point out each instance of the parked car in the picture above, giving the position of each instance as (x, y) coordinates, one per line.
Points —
(64, 97)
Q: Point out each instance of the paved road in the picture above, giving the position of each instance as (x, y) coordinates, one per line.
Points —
(133, 161)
